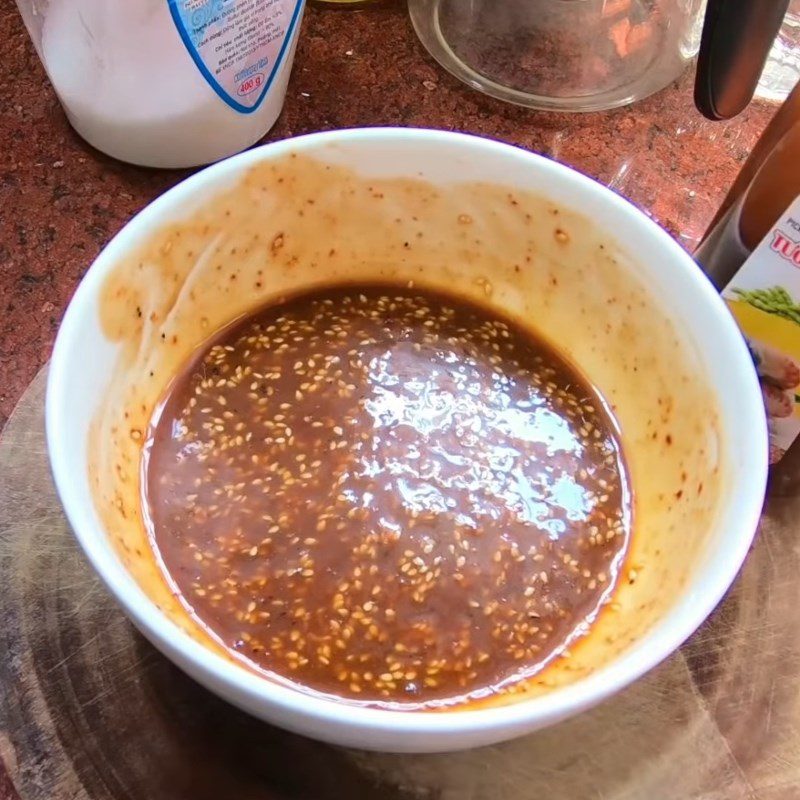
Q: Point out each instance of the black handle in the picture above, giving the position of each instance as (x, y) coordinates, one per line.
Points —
(737, 38)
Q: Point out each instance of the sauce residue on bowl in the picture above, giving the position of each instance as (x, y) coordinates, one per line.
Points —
(387, 495)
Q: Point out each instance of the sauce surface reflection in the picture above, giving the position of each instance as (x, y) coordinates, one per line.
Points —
(387, 495)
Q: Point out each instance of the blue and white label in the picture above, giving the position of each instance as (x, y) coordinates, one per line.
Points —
(238, 45)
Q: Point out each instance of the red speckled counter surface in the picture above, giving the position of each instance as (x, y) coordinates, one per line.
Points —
(61, 201)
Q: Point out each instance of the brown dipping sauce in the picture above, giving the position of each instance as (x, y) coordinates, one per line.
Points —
(387, 495)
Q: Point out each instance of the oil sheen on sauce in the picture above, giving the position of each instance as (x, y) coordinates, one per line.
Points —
(387, 495)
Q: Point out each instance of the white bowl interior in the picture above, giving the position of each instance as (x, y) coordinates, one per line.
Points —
(612, 291)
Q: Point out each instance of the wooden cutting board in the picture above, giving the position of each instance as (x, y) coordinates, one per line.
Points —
(88, 709)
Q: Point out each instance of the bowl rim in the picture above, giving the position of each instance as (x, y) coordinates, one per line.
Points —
(253, 691)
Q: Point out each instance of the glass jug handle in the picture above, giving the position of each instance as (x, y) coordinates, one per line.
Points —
(737, 38)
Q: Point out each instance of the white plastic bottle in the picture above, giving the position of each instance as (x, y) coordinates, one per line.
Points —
(167, 83)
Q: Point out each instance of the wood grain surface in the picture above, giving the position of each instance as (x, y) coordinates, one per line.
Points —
(61, 201)
(90, 710)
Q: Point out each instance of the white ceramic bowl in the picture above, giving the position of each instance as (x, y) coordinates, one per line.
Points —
(612, 289)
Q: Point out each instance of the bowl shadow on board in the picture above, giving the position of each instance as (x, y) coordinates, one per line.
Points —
(148, 731)
(133, 726)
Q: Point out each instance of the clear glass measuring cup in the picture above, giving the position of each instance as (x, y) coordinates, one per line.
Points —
(586, 55)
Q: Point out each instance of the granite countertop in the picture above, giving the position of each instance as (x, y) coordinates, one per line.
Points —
(61, 201)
